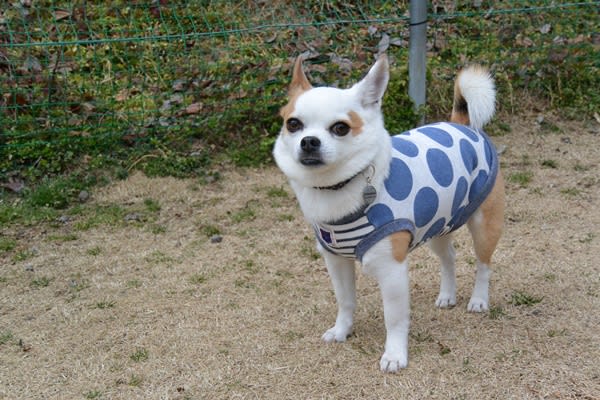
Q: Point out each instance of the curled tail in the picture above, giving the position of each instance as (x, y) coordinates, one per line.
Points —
(474, 97)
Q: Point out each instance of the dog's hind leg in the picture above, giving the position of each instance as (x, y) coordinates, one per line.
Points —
(342, 273)
(486, 228)
(443, 248)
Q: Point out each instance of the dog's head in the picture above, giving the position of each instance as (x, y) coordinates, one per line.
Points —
(331, 134)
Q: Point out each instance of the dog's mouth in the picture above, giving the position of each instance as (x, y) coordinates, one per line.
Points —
(311, 161)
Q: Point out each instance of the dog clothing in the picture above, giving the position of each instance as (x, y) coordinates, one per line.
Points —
(439, 176)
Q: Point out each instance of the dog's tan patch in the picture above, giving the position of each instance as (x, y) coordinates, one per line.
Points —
(287, 110)
(299, 82)
(486, 225)
(299, 85)
(400, 245)
(460, 109)
(356, 123)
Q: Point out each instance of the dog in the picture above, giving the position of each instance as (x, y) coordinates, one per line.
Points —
(374, 198)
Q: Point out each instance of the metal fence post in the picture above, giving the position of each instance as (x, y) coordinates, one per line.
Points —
(417, 56)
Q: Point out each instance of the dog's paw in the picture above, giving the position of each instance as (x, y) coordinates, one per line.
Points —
(336, 334)
(477, 304)
(445, 301)
(393, 362)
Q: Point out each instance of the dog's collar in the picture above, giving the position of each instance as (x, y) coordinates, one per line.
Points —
(337, 186)
(340, 185)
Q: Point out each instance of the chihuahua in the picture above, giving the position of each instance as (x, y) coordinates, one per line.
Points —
(374, 198)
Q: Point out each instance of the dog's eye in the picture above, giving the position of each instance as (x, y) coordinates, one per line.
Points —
(293, 125)
(340, 129)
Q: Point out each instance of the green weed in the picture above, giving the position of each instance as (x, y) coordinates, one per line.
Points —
(93, 394)
(94, 251)
(520, 298)
(6, 337)
(158, 229)
(7, 244)
(245, 214)
(521, 178)
(152, 205)
(135, 381)
(63, 238)
(496, 313)
(549, 164)
(198, 279)
(103, 305)
(572, 192)
(23, 255)
(134, 283)
(41, 282)
(210, 230)
(140, 355)
(277, 192)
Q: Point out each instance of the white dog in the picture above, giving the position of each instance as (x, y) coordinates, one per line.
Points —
(373, 197)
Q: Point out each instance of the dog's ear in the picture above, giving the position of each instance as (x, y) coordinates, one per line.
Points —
(372, 87)
(299, 82)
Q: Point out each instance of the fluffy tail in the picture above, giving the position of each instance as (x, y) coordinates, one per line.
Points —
(474, 97)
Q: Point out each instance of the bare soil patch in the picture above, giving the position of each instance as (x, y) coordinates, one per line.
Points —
(155, 309)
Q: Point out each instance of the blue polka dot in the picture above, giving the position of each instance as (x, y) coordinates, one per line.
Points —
(426, 206)
(459, 195)
(471, 134)
(438, 135)
(405, 147)
(440, 167)
(379, 215)
(469, 155)
(400, 181)
(478, 185)
(434, 230)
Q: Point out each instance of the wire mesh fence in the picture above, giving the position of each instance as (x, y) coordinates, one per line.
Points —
(81, 80)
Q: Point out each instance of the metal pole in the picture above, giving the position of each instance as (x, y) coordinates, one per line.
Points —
(417, 56)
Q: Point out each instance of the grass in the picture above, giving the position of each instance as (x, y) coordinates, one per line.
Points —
(180, 106)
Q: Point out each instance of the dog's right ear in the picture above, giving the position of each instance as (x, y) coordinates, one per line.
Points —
(299, 82)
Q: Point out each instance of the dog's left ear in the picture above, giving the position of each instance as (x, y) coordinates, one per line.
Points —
(299, 81)
(372, 87)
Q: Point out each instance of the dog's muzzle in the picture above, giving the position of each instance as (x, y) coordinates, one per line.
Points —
(311, 151)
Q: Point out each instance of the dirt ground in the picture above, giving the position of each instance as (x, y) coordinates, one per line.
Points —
(155, 309)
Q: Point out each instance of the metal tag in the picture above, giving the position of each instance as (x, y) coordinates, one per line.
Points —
(369, 194)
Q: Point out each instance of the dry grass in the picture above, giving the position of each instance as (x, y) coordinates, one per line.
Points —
(132, 311)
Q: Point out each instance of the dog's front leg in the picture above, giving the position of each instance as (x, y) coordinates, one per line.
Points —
(392, 276)
(341, 271)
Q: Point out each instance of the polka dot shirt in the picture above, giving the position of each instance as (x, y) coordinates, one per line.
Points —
(439, 175)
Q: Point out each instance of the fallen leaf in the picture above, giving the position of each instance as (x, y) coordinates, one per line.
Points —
(14, 184)
(194, 108)
(122, 95)
(272, 38)
(546, 28)
(179, 85)
(344, 63)
(383, 44)
(398, 42)
(61, 14)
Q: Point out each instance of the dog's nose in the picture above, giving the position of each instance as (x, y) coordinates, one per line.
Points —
(310, 144)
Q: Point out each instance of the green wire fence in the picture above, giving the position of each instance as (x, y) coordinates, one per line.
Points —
(83, 81)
